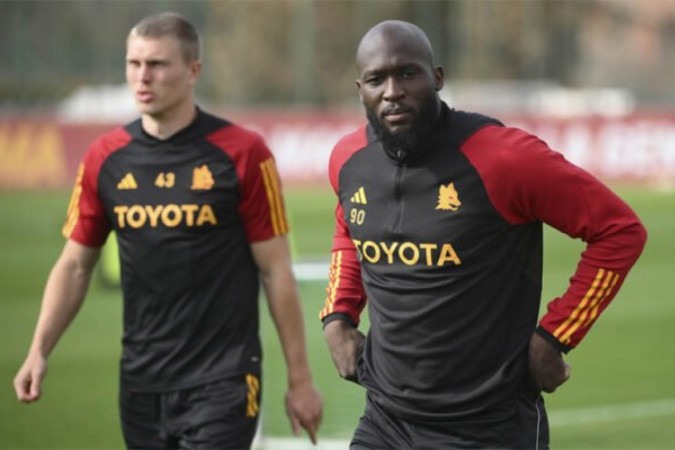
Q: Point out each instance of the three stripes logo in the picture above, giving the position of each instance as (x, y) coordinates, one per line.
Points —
(359, 197)
(127, 182)
(74, 205)
(270, 176)
(589, 307)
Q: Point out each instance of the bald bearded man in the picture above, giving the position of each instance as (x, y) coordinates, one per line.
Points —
(439, 232)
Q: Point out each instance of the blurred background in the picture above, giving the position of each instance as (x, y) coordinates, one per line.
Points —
(280, 52)
(593, 78)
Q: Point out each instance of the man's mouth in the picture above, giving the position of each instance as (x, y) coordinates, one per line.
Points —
(144, 96)
(397, 114)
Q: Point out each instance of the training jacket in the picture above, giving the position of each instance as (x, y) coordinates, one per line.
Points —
(445, 247)
(185, 211)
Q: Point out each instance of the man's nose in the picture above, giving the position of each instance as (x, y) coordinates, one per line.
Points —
(393, 89)
(145, 74)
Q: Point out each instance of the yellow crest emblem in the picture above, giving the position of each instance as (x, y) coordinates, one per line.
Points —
(448, 199)
(202, 178)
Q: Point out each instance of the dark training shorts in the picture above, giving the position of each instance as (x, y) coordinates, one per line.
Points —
(525, 428)
(218, 415)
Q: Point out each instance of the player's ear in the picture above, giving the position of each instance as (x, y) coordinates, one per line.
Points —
(439, 78)
(358, 86)
(195, 70)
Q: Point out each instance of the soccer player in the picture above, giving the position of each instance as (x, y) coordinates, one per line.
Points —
(196, 205)
(439, 231)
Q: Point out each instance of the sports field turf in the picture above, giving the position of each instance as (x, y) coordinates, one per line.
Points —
(621, 395)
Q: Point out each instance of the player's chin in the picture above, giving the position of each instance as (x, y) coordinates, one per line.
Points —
(398, 129)
(147, 108)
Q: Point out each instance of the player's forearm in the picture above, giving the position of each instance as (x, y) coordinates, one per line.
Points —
(597, 280)
(63, 296)
(284, 306)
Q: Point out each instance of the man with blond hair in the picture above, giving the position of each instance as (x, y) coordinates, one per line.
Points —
(196, 204)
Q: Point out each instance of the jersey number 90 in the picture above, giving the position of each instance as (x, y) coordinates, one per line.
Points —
(357, 216)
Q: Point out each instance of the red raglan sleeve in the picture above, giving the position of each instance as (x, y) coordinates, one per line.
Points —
(345, 297)
(261, 204)
(530, 182)
(86, 221)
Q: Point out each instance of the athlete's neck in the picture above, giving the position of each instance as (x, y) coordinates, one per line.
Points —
(163, 126)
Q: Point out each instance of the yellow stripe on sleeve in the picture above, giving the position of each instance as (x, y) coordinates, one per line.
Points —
(581, 305)
(596, 307)
(273, 190)
(333, 284)
(600, 296)
(74, 205)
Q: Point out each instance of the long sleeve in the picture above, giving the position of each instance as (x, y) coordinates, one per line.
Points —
(529, 182)
(345, 295)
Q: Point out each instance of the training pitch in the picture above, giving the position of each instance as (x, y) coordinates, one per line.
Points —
(621, 393)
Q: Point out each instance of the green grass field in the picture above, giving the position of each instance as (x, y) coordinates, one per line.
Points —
(621, 394)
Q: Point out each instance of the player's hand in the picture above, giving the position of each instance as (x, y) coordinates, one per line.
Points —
(28, 380)
(547, 369)
(346, 345)
(304, 408)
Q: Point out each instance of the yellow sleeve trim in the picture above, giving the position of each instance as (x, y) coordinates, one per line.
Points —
(333, 283)
(273, 190)
(74, 205)
(588, 309)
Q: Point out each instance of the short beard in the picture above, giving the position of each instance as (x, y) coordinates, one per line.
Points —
(406, 142)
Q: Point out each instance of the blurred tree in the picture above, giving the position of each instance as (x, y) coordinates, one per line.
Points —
(301, 52)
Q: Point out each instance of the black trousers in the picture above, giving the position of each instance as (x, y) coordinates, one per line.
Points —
(525, 426)
(218, 415)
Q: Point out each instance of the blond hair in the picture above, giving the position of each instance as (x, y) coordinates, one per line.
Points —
(174, 25)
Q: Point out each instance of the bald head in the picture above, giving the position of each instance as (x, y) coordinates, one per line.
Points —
(398, 85)
(394, 33)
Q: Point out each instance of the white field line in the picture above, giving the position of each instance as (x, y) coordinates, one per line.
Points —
(303, 443)
(612, 413)
(311, 270)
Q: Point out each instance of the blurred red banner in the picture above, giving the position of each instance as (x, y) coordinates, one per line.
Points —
(44, 153)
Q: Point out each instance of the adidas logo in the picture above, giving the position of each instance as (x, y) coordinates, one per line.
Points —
(359, 197)
(127, 182)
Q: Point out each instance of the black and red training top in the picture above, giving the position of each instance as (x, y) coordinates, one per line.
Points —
(185, 211)
(446, 251)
